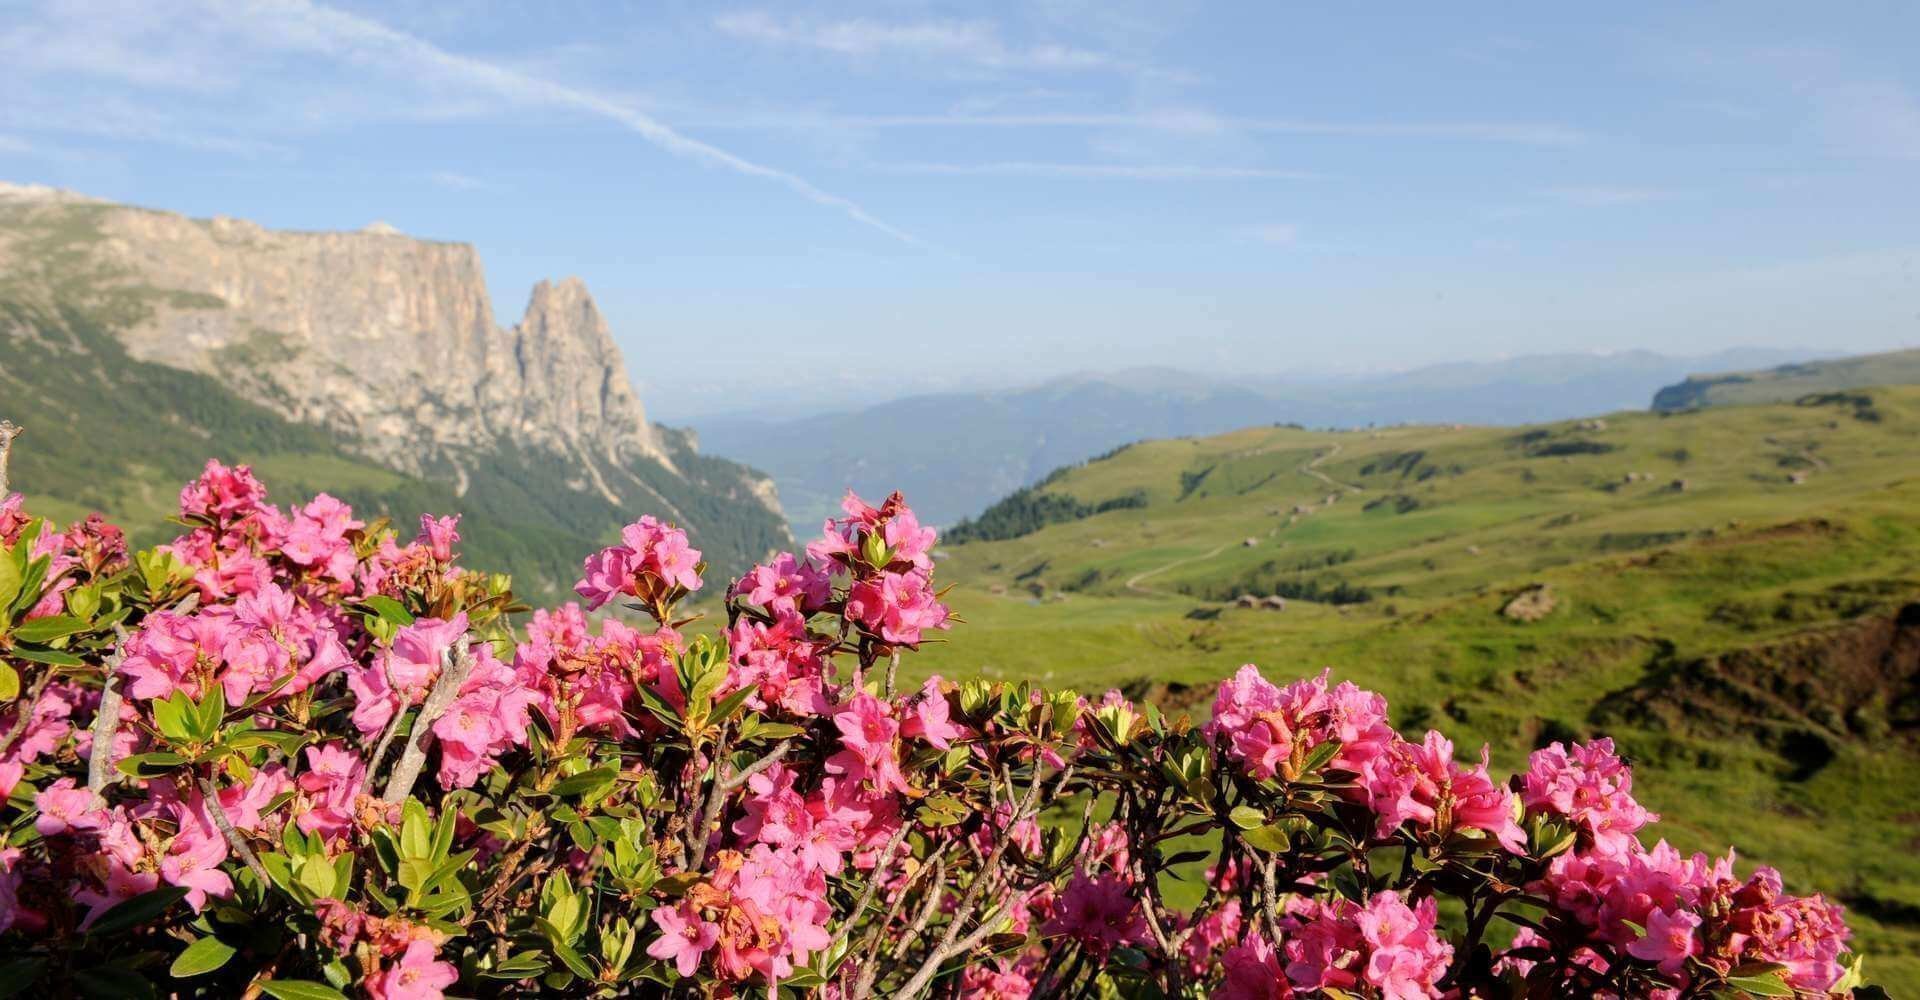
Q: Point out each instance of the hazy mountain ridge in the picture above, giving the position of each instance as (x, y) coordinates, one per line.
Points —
(1786, 382)
(955, 453)
(384, 344)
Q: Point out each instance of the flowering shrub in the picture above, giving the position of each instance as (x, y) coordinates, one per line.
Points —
(288, 754)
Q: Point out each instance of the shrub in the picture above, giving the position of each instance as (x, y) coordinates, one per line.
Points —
(288, 754)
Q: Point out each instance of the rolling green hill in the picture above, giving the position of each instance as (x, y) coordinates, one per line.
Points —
(1786, 383)
(1734, 594)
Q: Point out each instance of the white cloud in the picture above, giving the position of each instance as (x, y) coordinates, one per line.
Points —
(1116, 171)
(183, 35)
(976, 42)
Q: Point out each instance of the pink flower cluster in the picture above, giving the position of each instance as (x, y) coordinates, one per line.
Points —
(267, 641)
(1274, 731)
(650, 563)
(1383, 948)
(890, 557)
(585, 682)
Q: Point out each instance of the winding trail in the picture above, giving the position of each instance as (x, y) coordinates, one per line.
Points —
(1311, 468)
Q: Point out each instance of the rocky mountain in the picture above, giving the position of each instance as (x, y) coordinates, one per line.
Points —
(1783, 383)
(385, 344)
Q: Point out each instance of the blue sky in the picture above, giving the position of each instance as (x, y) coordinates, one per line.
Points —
(786, 200)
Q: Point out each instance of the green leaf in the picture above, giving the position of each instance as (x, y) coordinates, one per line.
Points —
(562, 950)
(390, 609)
(300, 989)
(587, 781)
(170, 716)
(416, 830)
(1318, 757)
(1247, 817)
(10, 575)
(138, 910)
(209, 713)
(150, 765)
(733, 703)
(45, 630)
(201, 957)
(1761, 986)
(1269, 838)
(30, 579)
(9, 682)
(525, 965)
(20, 973)
(51, 657)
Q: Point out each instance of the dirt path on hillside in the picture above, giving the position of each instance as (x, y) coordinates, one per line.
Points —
(1310, 468)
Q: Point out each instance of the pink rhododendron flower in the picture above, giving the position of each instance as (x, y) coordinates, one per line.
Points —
(1670, 940)
(684, 937)
(897, 607)
(1251, 970)
(438, 534)
(1099, 912)
(652, 558)
(1590, 786)
(786, 586)
(417, 976)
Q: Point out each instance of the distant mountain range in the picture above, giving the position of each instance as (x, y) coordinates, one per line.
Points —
(136, 343)
(1791, 381)
(955, 453)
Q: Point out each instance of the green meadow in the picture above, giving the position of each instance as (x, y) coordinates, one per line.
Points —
(1735, 598)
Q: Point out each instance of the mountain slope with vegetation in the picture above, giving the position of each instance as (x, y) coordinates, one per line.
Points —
(1732, 593)
(366, 364)
(1785, 383)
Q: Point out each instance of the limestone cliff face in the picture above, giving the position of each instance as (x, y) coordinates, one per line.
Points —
(385, 340)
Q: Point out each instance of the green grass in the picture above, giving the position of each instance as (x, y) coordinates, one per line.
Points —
(1724, 635)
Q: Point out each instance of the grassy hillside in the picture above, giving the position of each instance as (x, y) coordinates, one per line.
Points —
(1736, 597)
(999, 441)
(1789, 382)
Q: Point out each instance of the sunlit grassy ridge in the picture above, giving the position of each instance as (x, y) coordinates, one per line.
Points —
(1752, 640)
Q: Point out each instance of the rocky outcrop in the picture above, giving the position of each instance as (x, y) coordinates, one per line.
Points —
(389, 342)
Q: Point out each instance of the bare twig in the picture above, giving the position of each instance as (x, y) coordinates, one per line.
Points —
(893, 671)
(414, 757)
(8, 431)
(774, 756)
(106, 722)
(950, 942)
(700, 831)
(211, 794)
(393, 727)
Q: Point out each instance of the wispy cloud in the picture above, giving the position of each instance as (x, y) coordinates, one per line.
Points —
(1604, 195)
(1178, 120)
(14, 145)
(1115, 171)
(460, 182)
(977, 42)
(365, 45)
